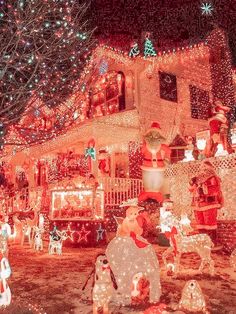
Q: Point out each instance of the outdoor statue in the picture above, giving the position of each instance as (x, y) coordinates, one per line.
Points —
(156, 156)
(219, 127)
(207, 199)
(129, 254)
(103, 285)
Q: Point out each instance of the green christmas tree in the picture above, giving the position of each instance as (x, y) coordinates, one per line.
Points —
(149, 50)
(134, 51)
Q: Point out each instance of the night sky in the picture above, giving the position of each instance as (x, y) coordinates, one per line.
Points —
(173, 23)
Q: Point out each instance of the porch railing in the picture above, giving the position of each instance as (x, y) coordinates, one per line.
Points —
(118, 190)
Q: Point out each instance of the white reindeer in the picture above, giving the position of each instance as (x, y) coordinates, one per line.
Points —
(181, 243)
(38, 241)
(25, 228)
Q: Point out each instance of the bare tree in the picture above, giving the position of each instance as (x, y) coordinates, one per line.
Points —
(44, 46)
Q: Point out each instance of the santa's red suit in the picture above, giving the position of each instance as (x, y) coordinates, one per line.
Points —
(155, 159)
(155, 155)
(206, 197)
(219, 130)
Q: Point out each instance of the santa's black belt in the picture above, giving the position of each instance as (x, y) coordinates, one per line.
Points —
(153, 159)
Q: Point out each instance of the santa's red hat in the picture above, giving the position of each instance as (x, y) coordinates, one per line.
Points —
(155, 125)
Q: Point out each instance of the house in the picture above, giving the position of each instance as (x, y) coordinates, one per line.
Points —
(119, 99)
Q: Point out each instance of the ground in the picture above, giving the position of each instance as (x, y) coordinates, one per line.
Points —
(52, 284)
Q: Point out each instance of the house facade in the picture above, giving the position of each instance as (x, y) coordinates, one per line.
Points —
(120, 97)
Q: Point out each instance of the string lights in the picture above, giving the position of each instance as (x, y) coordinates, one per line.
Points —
(45, 45)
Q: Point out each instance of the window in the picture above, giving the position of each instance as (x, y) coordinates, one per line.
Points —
(200, 104)
(168, 86)
(107, 95)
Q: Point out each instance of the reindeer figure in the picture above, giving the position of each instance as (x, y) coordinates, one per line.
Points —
(181, 243)
(38, 241)
(25, 228)
(55, 243)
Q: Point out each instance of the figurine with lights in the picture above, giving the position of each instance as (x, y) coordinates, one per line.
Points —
(103, 163)
(184, 240)
(156, 156)
(129, 254)
(56, 239)
(139, 289)
(207, 199)
(38, 241)
(4, 236)
(219, 126)
(167, 220)
(149, 50)
(5, 292)
(192, 298)
(134, 51)
(104, 283)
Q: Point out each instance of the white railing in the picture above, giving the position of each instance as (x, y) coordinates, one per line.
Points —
(118, 190)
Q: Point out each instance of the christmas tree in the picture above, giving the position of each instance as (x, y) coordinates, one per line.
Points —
(149, 50)
(134, 51)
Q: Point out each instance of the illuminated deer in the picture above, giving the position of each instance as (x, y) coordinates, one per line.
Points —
(25, 228)
(181, 243)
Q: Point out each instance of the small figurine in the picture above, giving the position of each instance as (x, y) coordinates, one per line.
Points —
(38, 241)
(103, 285)
(192, 298)
(56, 239)
(5, 292)
(140, 289)
(219, 127)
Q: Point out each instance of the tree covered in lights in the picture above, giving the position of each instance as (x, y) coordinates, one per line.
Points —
(149, 50)
(44, 47)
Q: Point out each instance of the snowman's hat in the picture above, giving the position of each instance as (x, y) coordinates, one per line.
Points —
(155, 125)
(167, 200)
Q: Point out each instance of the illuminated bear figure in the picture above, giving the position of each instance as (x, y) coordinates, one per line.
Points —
(192, 298)
(156, 155)
(129, 254)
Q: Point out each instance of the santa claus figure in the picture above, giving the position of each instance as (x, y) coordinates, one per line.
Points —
(219, 127)
(103, 163)
(156, 156)
(206, 199)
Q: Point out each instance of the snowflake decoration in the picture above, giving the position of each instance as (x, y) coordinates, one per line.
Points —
(206, 8)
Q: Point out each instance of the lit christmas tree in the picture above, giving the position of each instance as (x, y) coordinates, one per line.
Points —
(149, 50)
(134, 51)
(44, 46)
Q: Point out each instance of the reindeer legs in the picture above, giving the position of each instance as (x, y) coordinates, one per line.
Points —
(167, 252)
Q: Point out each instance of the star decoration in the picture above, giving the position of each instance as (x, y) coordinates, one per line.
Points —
(206, 8)
(100, 232)
(69, 233)
(83, 234)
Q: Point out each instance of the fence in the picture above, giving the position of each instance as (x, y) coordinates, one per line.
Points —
(118, 190)
(178, 176)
